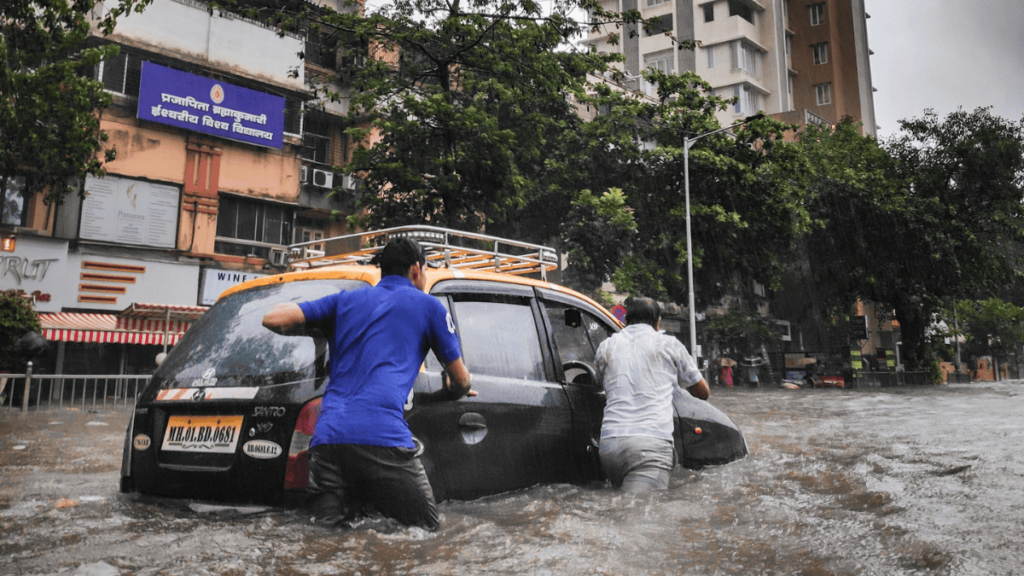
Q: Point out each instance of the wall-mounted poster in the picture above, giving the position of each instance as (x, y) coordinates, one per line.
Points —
(210, 106)
(129, 211)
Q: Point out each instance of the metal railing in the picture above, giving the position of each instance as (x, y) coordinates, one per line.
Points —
(83, 391)
(891, 379)
(445, 247)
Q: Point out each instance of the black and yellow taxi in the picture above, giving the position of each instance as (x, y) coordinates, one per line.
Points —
(229, 414)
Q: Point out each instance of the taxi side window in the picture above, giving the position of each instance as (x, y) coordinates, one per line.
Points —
(577, 335)
(597, 330)
(571, 336)
(499, 337)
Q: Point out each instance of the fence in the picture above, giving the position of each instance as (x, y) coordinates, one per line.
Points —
(85, 391)
(890, 379)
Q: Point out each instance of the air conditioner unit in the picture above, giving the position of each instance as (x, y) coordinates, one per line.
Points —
(304, 174)
(349, 182)
(323, 178)
(278, 257)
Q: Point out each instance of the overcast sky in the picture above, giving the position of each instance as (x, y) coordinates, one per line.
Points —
(944, 54)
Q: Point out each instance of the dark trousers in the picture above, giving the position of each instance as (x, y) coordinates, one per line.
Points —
(351, 476)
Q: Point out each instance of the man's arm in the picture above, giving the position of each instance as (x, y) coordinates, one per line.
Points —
(286, 318)
(700, 390)
(459, 382)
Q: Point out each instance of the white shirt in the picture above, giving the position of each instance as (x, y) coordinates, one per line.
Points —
(639, 367)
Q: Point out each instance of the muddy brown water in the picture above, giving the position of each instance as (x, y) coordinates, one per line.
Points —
(879, 481)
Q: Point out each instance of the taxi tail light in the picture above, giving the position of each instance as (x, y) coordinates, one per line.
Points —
(296, 475)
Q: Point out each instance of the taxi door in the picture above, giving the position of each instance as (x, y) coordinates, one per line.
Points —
(518, 430)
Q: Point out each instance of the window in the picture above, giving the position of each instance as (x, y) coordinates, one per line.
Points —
(246, 226)
(322, 46)
(711, 56)
(749, 99)
(499, 336)
(292, 115)
(823, 93)
(655, 2)
(310, 230)
(741, 9)
(745, 57)
(661, 25)
(122, 74)
(323, 139)
(576, 342)
(14, 203)
(820, 53)
(316, 138)
(662, 61)
(709, 12)
(817, 13)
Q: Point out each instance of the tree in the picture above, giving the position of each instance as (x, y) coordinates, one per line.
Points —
(992, 327)
(746, 191)
(599, 231)
(16, 318)
(857, 211)
(49, 105)
(467, 100)
(932, 216)
(964, 178)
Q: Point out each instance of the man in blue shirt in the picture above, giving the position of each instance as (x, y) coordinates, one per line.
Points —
(362, 451)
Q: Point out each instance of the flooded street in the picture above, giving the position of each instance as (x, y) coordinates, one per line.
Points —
(870, 481)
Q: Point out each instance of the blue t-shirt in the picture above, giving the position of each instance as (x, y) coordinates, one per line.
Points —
(381, 336)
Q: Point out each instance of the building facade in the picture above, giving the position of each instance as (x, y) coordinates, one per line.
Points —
(798, 60)
(224, 158)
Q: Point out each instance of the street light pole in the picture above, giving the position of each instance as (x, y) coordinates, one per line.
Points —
(687, 142)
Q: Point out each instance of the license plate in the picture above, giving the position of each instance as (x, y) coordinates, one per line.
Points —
(203, 434)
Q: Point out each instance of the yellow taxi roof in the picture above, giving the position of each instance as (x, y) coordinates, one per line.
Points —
(371, 275)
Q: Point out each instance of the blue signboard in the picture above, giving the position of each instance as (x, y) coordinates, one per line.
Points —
(210, 106)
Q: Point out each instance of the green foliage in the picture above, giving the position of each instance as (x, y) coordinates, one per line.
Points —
(745, 192)
(991, 326)
(738, 334)
(49, 106)
(598, 232)
(470, 100)
(16, 318)
(933, 215)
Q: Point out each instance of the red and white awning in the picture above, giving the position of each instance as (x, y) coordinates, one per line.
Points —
(159, 317)
(138, 324)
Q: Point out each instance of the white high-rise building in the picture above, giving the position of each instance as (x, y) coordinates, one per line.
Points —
(798, 60)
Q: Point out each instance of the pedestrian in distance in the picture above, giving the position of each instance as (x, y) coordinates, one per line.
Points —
(639, 368)
(362, 451)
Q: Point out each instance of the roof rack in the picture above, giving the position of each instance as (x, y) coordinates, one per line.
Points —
(444, 247)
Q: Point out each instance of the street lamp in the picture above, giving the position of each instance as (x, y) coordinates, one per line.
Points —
(689, 243)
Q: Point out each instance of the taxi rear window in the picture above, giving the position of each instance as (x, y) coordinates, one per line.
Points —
(229, 346)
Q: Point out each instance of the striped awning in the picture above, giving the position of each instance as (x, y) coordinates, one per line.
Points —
(139, 324)
(159, 317)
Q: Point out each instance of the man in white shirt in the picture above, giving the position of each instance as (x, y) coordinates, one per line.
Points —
(639, 367)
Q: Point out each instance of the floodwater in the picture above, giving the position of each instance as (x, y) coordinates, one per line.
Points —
(869, 481)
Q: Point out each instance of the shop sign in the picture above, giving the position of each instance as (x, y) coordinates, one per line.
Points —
(36, 266)
(129, 211)
(210, 106)
(217, 281)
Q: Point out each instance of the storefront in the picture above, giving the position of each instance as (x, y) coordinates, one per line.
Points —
(122, 343)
